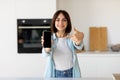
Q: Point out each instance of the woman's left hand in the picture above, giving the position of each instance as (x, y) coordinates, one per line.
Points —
(77, 36)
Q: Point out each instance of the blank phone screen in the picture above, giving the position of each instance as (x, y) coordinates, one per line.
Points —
(47, 39)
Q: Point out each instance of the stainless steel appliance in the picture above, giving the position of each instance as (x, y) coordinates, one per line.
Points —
(29, 32)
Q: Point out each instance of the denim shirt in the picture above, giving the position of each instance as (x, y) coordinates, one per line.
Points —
(50, 68)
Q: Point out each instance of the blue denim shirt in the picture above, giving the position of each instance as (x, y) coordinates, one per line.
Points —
(50, 68)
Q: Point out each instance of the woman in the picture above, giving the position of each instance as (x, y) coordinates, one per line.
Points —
(62, 60)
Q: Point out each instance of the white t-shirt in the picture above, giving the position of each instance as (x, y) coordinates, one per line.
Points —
(62, 55)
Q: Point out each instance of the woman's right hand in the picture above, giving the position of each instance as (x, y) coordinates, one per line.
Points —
(42, 42)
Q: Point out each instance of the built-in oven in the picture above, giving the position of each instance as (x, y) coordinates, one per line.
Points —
(29, 32)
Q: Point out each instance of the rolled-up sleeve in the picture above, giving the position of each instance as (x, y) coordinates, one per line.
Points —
(45, 54)
(78, 46)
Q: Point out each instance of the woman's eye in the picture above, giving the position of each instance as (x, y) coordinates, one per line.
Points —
(64, 20)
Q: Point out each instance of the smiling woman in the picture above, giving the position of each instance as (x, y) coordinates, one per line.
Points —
(62, 59)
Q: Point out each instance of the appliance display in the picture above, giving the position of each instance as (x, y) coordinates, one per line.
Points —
(29, 32)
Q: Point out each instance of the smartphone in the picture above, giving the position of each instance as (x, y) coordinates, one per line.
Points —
(47, 39)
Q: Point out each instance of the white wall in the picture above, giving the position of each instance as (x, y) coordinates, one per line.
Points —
(13, 64)
(86, 13)
(35, 9)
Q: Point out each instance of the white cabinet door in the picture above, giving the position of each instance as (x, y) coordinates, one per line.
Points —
(108, 65)
(99, 65)
(88, 66)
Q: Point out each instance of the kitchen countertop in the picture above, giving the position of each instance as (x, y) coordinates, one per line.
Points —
(56, 79)
(99, 54)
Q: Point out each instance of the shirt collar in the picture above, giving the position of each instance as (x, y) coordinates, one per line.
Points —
(54, 36)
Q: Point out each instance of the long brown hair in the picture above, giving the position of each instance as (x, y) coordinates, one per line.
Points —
(69, 26)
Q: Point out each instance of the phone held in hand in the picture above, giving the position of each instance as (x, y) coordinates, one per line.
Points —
(47, 39)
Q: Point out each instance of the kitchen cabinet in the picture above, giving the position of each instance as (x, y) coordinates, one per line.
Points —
(99, 64)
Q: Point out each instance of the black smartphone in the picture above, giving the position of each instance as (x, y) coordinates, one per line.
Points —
(47, 39)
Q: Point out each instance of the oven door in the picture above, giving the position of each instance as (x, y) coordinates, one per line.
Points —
(29, 38)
